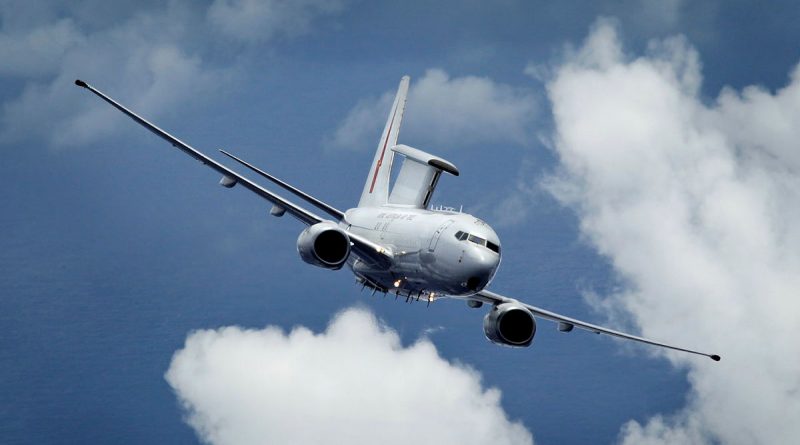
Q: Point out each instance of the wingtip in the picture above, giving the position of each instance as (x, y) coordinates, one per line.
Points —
(81, 83)
(715, 357)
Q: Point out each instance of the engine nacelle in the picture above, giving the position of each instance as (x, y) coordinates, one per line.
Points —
(510, 324)
(324, 245)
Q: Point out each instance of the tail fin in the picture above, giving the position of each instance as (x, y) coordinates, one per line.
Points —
(376, 189)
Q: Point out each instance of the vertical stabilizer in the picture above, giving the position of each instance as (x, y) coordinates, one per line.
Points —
(376, 189)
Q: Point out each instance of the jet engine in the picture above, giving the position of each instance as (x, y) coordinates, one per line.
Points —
(510, 324)
(324, 245)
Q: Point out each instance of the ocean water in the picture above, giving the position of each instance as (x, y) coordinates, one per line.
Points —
(103, 275)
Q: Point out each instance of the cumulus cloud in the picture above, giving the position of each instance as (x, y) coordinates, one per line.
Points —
(134, 60)
(354, 383)
(697, 206)
(154, 58)
(447, 113)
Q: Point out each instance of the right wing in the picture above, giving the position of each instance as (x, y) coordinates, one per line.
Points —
(566, 323)
(362, 247)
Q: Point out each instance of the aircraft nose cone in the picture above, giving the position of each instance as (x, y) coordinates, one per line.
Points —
(476, 282)
(480, 270)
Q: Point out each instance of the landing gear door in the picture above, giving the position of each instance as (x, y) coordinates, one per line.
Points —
(437, 234)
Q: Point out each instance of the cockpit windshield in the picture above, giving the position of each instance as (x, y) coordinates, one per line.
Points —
(461, 236)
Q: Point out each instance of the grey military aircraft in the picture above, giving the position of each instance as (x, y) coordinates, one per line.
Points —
(394, 242)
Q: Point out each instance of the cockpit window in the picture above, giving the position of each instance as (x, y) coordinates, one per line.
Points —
(477, 240)
(461, 236)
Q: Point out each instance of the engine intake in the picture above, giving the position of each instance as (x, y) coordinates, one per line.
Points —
(510, 324)
(324, 245)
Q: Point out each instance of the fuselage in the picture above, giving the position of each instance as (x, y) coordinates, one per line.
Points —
(435, 252)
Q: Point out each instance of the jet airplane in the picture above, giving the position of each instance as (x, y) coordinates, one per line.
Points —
(394, 242)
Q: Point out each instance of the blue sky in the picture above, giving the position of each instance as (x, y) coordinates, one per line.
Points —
(638, 160)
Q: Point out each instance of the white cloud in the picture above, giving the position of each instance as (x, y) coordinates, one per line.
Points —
(152, 58)
(362, 123)
(697, 206)
(259, 20)
(141, 60)
(446, 113)
(354, 383)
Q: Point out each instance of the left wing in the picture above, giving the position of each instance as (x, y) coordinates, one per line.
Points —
(330, 210)
(364, 248)
(565, 324)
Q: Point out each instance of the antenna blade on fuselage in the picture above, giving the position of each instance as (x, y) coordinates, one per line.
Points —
(376, 189)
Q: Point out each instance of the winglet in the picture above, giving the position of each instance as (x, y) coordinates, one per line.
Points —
(81, 83)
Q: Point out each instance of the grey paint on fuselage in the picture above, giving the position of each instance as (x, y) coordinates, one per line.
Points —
(428, 258)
